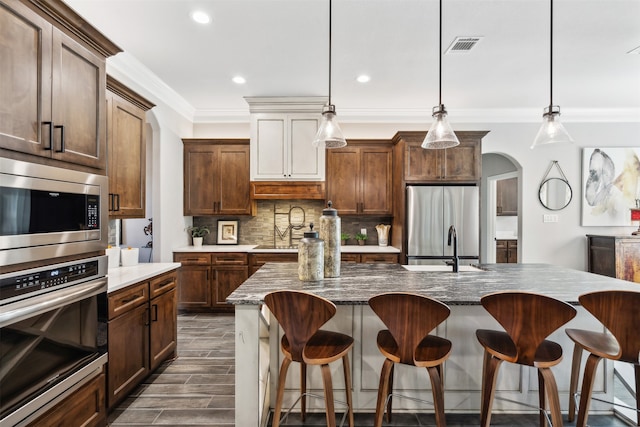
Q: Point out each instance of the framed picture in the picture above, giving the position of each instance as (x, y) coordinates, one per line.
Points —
(610, 185)
(227, 232)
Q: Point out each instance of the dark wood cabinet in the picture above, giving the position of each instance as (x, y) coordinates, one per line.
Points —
(207, 279)
(126, 148)
(142, 333)
(457, 164)
(383, 258)
(54, 92)
(216, 177)
(359, 178)
(257, 260)
(614, 256)
(84, 407)
(507, 197)
(506, 251)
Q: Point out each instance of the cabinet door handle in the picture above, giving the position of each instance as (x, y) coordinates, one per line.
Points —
(110, 202)
(50, 124)
(147, 315)
(155, 313)
(167, 283)
(117, 199)
(130, 299)
(61, 127)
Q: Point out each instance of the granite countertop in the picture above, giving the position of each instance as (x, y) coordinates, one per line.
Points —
(359, 282)
(122, 277)
(374, 249)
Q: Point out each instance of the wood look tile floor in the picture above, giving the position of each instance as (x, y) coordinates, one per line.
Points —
(197, 388)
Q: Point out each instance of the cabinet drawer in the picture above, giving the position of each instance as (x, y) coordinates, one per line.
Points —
(192, 258)
(161, 284)
(229, 259)
(352, 258)
(127, 299)
(381, 258)
(260, 259)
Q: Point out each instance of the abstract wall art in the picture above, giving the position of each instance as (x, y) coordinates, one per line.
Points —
(610, 185)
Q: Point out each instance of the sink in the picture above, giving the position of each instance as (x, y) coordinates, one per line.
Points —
(445, 268)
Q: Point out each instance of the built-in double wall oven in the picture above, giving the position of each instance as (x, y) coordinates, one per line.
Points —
(53, 273)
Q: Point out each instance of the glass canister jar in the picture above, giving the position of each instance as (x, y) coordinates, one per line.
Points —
(330, 234)
(311, 256)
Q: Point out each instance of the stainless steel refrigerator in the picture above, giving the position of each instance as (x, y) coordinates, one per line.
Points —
(431, 210)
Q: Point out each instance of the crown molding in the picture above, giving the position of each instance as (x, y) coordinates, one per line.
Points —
(124, 66)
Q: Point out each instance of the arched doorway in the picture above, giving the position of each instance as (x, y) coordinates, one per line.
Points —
(500, 208)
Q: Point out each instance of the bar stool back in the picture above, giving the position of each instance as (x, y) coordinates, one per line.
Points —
(301, 315)
(409, 319)
(619, 312)
(528, 320)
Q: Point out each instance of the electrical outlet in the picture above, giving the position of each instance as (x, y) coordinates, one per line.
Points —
(363, 231)
(550, 218)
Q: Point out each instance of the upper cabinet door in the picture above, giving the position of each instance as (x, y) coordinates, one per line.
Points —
(25, 86)
(233, 180)
(79, 81)
(281, 148)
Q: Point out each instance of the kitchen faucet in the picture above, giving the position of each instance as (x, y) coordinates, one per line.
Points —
(452, 232)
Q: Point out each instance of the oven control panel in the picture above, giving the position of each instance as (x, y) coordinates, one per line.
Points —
(22, 283)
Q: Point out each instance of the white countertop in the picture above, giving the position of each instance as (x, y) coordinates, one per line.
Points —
(122, 277)
(373, 249)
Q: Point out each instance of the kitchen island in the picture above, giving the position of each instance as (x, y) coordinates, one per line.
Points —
(257, 340)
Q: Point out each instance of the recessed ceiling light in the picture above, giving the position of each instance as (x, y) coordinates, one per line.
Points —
(363, 78)
(239, 80)
(200, 17)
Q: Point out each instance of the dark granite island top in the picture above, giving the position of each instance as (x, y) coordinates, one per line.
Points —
(359, 282)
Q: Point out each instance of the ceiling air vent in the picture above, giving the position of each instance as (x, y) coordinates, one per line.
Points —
(463, 44)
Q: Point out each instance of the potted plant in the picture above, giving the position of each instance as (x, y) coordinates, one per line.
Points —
(344, 237)
(198, 233)
(361, 238)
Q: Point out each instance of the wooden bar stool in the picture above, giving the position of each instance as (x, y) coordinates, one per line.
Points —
(528, 320)
(410, 318)
(619, 312)
(301, 315)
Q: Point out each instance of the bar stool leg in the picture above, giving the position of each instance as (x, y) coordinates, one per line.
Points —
(347, 385)
(542, 399)
(303, 391)
(489, 376)
(438, 395)
(587, 386)
(552, 395)
(387, 366)
(573, 384)
(328, 395)
(282, 377)
(390, 394)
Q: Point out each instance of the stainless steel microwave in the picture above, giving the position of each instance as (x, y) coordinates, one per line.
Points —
(48, 212)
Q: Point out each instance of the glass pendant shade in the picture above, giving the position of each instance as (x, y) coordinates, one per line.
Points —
(440, 134)
(329, 134)
(552, 131)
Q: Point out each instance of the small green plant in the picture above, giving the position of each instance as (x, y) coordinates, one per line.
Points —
(360, 236)
(345, 236)
(198, 231)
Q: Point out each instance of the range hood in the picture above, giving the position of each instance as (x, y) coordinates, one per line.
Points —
(287, 190)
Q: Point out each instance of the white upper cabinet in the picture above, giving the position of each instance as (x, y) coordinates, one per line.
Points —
(281, 141)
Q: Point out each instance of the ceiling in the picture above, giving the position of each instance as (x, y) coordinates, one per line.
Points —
(281, 48)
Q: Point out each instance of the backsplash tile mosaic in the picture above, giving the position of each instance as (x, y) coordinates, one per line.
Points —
(283, 222)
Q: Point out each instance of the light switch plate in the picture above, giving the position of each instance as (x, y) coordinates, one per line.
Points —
(363, 231)
(550, 218)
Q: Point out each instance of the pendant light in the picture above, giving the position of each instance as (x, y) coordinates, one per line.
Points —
(440, 134)
(551, 130)
(329, 134)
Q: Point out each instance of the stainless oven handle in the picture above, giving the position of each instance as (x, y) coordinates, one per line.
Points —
(29, 307)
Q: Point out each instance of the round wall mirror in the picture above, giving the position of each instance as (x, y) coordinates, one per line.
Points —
(555, 194)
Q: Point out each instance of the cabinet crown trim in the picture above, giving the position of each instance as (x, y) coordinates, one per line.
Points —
(291, 104)
(63, 15)
(118, 88)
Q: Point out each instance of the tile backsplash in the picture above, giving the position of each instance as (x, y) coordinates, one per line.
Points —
(284, 221)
